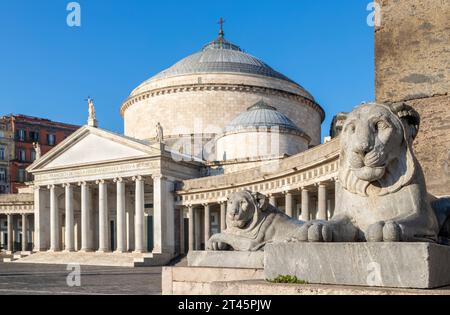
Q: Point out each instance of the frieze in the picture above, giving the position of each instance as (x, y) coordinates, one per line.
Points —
(114, 170)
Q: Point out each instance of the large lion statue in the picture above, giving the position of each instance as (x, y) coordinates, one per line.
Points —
(381, 193)
(252, 223)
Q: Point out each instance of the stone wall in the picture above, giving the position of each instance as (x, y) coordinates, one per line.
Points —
(259, 144)
(412, 64)
(184, 107)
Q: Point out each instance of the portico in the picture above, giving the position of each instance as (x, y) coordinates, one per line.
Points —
(98, 192)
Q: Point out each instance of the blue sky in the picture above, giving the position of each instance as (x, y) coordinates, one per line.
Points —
(47, 69)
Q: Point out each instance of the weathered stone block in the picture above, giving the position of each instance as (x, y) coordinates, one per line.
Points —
(396, 265)
(225, 259)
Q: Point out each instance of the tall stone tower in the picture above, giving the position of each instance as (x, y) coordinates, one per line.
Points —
(412, 48)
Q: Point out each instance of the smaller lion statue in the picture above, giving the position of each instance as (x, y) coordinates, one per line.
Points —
(381, 194)
(252, 223)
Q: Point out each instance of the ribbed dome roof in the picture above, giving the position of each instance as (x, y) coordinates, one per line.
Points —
(221, 56)
(261, 115)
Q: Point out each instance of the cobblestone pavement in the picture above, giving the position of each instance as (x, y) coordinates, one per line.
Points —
(26, 279)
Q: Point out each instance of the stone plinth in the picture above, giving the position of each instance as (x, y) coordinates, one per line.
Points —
(252, 260)
(396, 265)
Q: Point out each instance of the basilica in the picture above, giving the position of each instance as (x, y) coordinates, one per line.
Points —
(216, 122)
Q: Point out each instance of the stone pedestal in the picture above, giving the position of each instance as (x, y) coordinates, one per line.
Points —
(395, 265)
(225, 259)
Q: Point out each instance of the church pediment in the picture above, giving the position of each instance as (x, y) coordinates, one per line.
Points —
(89, 146)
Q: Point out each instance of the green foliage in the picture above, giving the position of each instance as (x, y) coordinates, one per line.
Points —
(287, 279)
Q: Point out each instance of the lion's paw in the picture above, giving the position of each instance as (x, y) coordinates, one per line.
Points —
(216, 246)
(316, 231)
(384, 232)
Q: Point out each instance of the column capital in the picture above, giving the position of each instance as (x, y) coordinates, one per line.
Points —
(100, 181)
(82, 183)
(206, 204)
(287, 192)
(36, 187)
(222, 202)
(304, 189)
(137, 178)
(51, 187)
(118, 180)
(321, 184)
(66, 185)
(158, 177)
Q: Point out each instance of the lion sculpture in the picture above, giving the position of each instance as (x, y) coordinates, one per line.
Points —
(252, 223)
(381, 193)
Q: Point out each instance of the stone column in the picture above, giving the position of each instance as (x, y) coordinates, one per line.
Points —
(289, 204)
(223, 216)
(10, 233)
(55, 227)
(121, 216)
(207, 223)
(305, 205)
(103, 218)
(70, 220)
(139, 237)
(24, 233)
(85, 215)
(163, 215)
(191, 229)
(322, 202)
(41, 220)
(273, 200)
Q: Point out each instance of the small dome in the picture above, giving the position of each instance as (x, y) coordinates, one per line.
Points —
(261, 115)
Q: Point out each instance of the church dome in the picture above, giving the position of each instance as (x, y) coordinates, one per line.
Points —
(261, 115)
(212, 87)
(221, 56)
(260, 132)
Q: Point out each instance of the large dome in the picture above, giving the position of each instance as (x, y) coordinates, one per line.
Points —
(199, 95)
(221, 56)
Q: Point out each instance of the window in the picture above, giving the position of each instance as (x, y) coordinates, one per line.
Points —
(2, 153)
(21, 135)
(2, 189)
(21, 175)
(33, 155)
(34, 136)
(2, 175)
(51, 139)
(22, 155)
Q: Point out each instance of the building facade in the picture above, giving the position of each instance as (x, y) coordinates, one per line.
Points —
(6, 155)
(26, 131)
(192, 135)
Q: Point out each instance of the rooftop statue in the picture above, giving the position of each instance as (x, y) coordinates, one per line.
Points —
(381, 195)
(92, 119)
(37, 149)
(159, 133)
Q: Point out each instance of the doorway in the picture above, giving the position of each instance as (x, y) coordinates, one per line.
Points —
(113, 235)
(150, 241)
